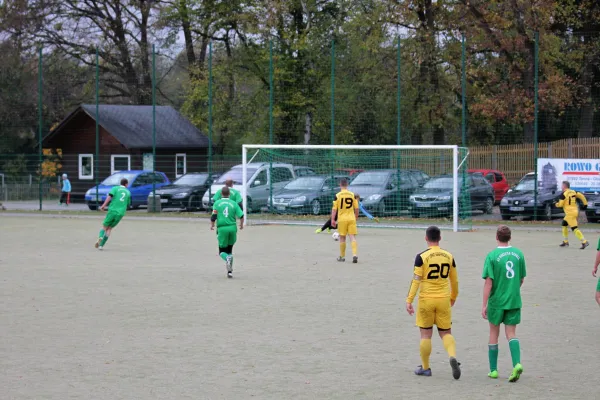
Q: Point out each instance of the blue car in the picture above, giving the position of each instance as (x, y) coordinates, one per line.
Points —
(140, 186)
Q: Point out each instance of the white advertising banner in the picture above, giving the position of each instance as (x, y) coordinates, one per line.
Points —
(582, 174)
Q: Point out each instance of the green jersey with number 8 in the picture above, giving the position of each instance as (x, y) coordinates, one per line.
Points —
(227, 210)
(121, 198)
(506, 267)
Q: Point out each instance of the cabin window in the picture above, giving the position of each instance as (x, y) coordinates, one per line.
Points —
(180, 164)
(120, 162)
(86, 166)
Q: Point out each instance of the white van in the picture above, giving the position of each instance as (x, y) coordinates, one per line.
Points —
(262, 177)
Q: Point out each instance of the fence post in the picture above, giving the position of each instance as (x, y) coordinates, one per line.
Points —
(535, 122)
(210, 121)
(97, 163)
(549, 149)
(464, 92)
(494, 157)
(155, 207)
(270, 202)
(398, 115)
(569, 148)
(40, 123)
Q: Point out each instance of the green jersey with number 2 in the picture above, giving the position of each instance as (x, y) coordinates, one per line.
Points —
(121, 197)
(506, 267)
(227, 210)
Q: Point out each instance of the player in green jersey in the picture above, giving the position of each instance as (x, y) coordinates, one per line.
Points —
(504, 271)
(120, 200)
(595, 271)
(225, 212)
(234, 195)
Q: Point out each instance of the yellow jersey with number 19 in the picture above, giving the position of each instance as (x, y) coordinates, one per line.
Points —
(345, 204)
(437, 270)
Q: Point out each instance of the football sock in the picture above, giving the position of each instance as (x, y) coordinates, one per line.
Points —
(515, 351)
(102, 232)
(354, 248)
(450, 345)
(493, 356)
(223, 255)
(565, 232)
(104, 239)
(425, 350)
(579, 234)
(342, 249)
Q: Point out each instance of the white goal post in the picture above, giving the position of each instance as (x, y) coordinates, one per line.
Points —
(254, 149)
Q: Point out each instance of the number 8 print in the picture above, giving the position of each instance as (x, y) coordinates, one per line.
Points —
(510, 272)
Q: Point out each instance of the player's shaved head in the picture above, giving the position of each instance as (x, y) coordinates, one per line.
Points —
(433, 234)
(357, 197)
(225, 191)
(566, 184)
(124, 182)
(344, 182)
(229, 183)
(503, 234)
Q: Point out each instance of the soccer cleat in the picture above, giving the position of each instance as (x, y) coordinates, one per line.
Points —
(341, 259)
(229, 275)
(355, 259)
(229, 264)
(455, 365)
(328, 230)
(100, 247)
(516, 373)
(319, 230)
(422, 372)
(493, 375)
(97, 244)
(584, 245)
(564, 244)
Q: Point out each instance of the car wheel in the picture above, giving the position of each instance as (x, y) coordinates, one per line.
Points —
(505, 217)
(548, 212)
(91, 207)
(381, 209)
(489, 206)
(315, 207)
(592, 220)
(194, 203)
(248, 206)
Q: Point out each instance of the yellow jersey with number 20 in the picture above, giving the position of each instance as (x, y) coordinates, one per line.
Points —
(345, 204)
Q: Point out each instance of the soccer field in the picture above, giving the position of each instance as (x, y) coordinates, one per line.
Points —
(153, 316)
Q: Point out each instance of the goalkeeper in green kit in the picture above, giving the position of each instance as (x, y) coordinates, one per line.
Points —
(119, 199)
(225, 212)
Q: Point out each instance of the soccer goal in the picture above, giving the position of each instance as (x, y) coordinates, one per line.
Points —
(399, 186)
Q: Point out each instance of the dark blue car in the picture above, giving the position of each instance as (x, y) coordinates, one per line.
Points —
(140, 186)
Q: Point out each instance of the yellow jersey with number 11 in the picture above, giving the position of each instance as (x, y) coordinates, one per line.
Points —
(345, 204)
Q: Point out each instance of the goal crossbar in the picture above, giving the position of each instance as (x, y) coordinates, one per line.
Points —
(455, 164)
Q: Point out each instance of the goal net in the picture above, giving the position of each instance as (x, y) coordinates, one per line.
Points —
(399, 186)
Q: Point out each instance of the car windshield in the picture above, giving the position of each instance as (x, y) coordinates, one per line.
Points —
(115, 179)
(311, 183)
(441, 183)
(235, 175)
(191, 180)
(371, 178)
(526, 184)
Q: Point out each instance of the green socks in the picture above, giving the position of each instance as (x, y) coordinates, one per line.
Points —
(493, 356)
(223, 256)
(103, 241)
(515, 351)
(102, 232)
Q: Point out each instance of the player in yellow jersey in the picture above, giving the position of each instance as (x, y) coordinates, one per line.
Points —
(344, 214)
(568, 202)
(435, 275)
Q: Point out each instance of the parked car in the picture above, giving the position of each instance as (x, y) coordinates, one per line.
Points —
(593, 209)
(419, 175)
(185, 192)
(350, 172)
(303, 171)
(435, 197)
(260, 179)
(140, 186)
(497, 180)
(381, 192)
(307, 195)
(519, 201)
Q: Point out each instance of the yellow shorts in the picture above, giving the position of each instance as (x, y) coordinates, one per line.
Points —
(434, 311)
(347, 228)
(570, 220)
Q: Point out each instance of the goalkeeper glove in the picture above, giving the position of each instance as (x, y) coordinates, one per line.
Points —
(584, 207)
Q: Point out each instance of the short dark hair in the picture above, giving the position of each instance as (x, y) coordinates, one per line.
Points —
(433, 234)
(343, 182)
(567, 184)
(225, 191)
(503, 234)
(357, 196)
(124, 182)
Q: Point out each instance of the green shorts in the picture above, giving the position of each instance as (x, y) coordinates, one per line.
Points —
(598, 286)
(227, 236)
(112, 219)
(498, 316)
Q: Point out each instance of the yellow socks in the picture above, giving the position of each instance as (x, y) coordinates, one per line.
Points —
(450, 345)
(342, 249)
(565, 232)
(425, 350)
(579, 234)
(354, 248)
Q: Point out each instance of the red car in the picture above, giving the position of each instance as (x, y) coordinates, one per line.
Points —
(497, 180)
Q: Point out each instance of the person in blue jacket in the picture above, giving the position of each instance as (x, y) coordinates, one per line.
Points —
(65, 193)
(327, 225)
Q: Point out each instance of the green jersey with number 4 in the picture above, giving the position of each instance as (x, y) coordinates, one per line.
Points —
(227, 210)
(506, 267)
(121, 197)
